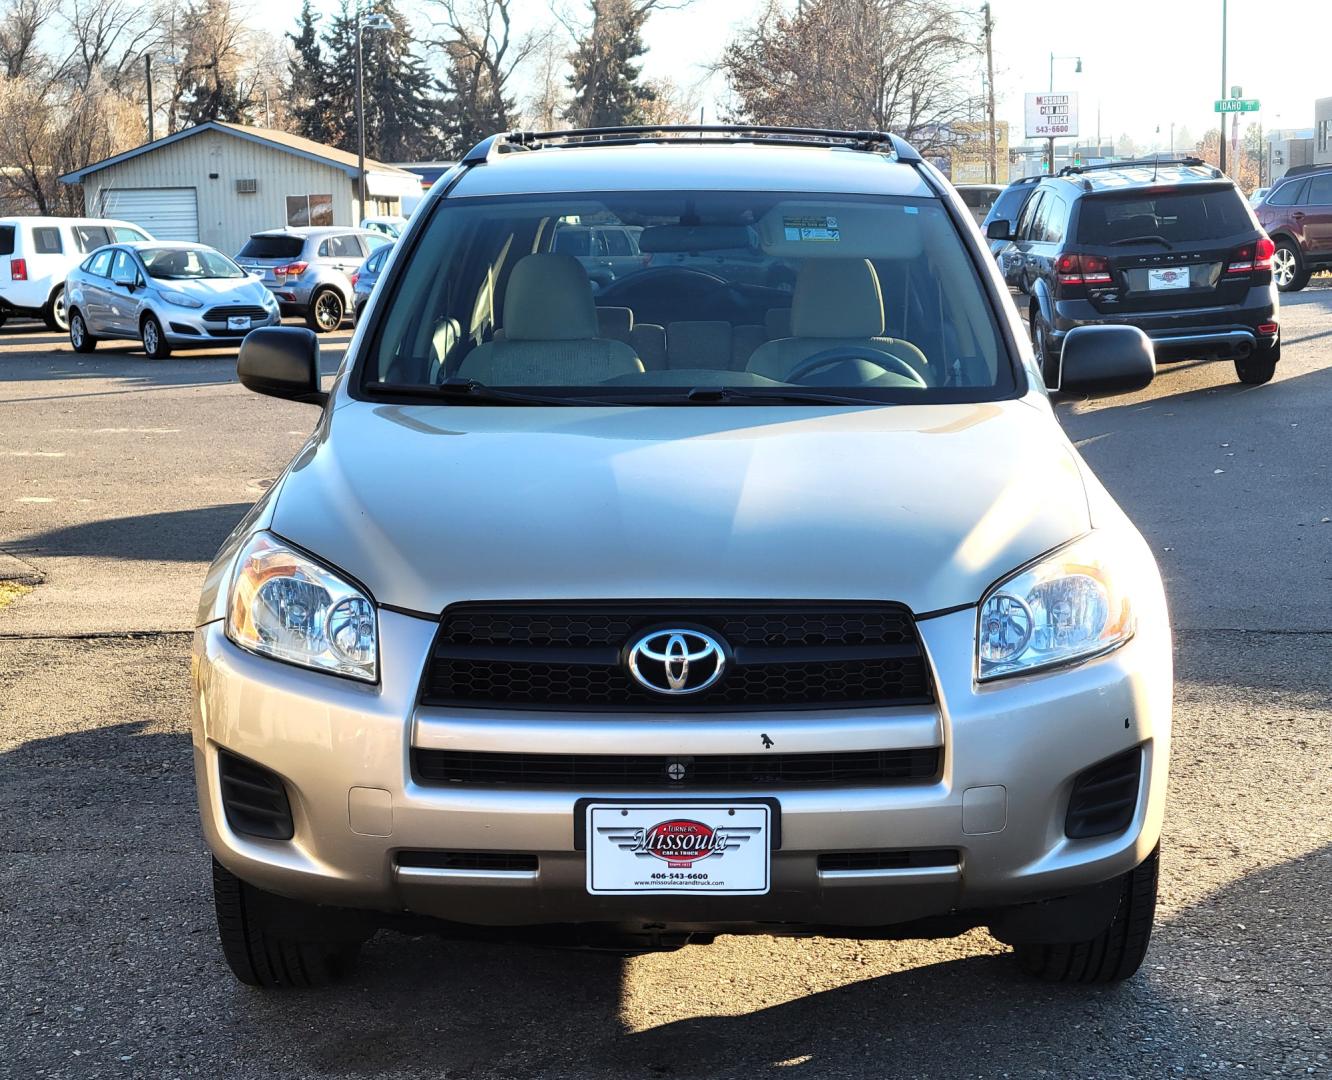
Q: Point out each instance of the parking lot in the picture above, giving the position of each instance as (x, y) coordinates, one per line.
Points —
(119, 476)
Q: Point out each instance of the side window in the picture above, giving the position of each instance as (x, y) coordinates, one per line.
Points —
(346, 247)
(1320, 189)
(100, 264)
(1042, 217)
(1029, 212)
(123, 268)
(599, 242)
(1055, 220)
(1288, 194)
(617, 243)
(124, 233)
(46, 241)
(90, 237)
(325, 249)
(375, 241)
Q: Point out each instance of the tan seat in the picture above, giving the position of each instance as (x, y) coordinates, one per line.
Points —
(551, 333)
(837, 302)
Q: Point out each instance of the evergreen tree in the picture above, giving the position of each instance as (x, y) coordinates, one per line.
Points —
(311, 91)
(402, 106)
(605, 79)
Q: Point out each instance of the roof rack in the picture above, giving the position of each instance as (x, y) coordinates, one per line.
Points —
(1130, 163)
(872, 141)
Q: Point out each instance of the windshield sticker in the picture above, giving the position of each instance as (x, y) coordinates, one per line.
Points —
(816, 227)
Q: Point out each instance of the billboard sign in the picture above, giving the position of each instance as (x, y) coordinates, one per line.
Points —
(1051, 116)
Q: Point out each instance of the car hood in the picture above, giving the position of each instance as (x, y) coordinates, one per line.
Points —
(427, 505)
(215, 290)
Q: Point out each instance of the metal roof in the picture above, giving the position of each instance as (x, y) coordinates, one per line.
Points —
(277, 140)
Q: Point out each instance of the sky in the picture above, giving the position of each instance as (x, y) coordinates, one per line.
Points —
(1144, 62)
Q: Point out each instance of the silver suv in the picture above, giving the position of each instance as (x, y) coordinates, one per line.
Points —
(779, 611)
(309, 269)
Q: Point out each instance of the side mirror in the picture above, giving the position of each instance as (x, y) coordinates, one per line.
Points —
(999, 229)
(283, 362)
(1102, 360)
(128, 282)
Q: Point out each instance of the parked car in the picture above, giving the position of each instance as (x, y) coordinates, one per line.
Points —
(363, 280)
(607, 252)
(980, 197)
(167, 295)
(309, 269)
(1169, 246)
(1297, 214)
(1008, 207)
(1258, 195)
(37, 254)
(533, 636)
(390, 226)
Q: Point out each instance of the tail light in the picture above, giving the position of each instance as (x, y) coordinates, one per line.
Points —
(1073, 270)
(356, 276)
(18, 270)
(1255, 256)
(291, 269)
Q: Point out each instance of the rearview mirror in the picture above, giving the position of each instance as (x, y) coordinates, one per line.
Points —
(283, 362)
(127, 280)
(999, 229)
(1098, 361)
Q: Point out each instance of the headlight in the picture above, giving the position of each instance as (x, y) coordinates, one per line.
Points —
(1073, 604)
(285, 605)
(180, 299)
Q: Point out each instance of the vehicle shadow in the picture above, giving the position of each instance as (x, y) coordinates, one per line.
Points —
(192, 535)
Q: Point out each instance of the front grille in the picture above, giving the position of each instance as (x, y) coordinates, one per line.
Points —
(660, 770)
(783, 656)
(254, 798)
(228, 311)
(888, 860)
(468, 860)
(1104, 796)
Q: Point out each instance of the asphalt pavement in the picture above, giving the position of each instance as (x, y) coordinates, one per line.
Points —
(119, 476)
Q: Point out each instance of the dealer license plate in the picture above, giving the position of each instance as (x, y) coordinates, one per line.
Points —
(238, 322)
(1168, 277)
(679, 847)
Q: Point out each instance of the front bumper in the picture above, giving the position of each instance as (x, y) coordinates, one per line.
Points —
(1010, 753)
(186, 326)
(1224, 332)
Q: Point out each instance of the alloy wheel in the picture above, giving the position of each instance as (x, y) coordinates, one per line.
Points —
(328, 311)
(1283, 266)
(59, 310)
(76, 331)
(150, 337)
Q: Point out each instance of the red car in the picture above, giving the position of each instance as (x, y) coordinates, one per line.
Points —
(1297, 214)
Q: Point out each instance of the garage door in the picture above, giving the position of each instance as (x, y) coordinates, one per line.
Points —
(167, 213)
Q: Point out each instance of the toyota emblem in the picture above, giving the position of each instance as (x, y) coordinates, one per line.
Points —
(676, 661)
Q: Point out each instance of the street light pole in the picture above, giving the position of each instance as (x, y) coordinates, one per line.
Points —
(1224, 95)
(375, 21)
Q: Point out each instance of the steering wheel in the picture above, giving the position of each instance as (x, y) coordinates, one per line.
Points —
(838, 354)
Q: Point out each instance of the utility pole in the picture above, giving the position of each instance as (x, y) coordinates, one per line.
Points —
(1224, 93)
(148, 76)
(989, 96)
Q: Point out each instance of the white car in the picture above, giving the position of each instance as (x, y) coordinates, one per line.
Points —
(389, 226)
(37, 254)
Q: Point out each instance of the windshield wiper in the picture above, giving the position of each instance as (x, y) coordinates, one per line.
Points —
(723, 395)
(1143, 240)
(469, 391)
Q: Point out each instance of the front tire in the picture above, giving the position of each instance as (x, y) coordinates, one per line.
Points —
(1259, 366)
(56, 313)
(79, 338)
(1288, 270)
(262, 943)
(154, 341)
(326, 311)
(1116, 952)
(1040, 343)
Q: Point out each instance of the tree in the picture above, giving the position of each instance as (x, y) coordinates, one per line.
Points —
(1125, 147)
(311, 90)
(402, 106)
(20, 22)
(483, 54)
(905, 66)
(605, 79)
(211, 83)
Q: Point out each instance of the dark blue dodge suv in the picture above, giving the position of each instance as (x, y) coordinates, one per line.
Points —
(1168, 246)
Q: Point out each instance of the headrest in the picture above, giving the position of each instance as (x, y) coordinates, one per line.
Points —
(549, 298)
(837, 298)
(615, 323)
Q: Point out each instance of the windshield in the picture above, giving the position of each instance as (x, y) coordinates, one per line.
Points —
(729, 297)
(178, 264)
(272, 246)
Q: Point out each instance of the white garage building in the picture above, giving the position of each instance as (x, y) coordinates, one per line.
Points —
(218, 183)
